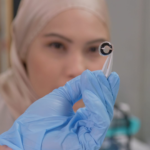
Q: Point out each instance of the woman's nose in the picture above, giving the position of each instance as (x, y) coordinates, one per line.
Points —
(75, 65)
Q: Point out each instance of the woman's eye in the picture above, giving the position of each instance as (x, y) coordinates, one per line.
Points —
(56, 45)
(92, 52)
(93, 49)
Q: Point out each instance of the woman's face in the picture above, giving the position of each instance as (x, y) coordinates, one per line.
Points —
(66, 47)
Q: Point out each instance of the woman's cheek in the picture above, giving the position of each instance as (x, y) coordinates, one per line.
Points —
(43, 72)
(96, 64)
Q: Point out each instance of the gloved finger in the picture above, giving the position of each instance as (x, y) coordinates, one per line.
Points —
(94, 125)
(114, 82)
(90, 83)
(100, 75)
(100, 86)
(94, 107)
(105, 92)
(72, 90)
(97, 83)
(96, 114)
(109, 90)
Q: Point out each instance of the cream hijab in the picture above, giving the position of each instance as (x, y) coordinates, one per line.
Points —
(33, 15)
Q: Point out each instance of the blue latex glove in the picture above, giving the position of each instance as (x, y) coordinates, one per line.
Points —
(51, 124)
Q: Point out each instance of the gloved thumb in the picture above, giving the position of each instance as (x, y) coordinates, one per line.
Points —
(59, 102)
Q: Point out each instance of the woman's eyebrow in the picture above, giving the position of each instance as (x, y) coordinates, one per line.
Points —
(59, 36)
(95, 41)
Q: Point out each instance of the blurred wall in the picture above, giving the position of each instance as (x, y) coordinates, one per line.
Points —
(130, 27)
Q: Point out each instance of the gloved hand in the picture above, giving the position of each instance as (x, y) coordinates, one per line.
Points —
(51, 124)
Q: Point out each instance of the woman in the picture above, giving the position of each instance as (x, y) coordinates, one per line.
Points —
(53, 42)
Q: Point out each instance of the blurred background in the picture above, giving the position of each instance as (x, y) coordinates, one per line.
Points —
(130, 28)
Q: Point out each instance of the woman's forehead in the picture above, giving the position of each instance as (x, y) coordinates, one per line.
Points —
(75, 20)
